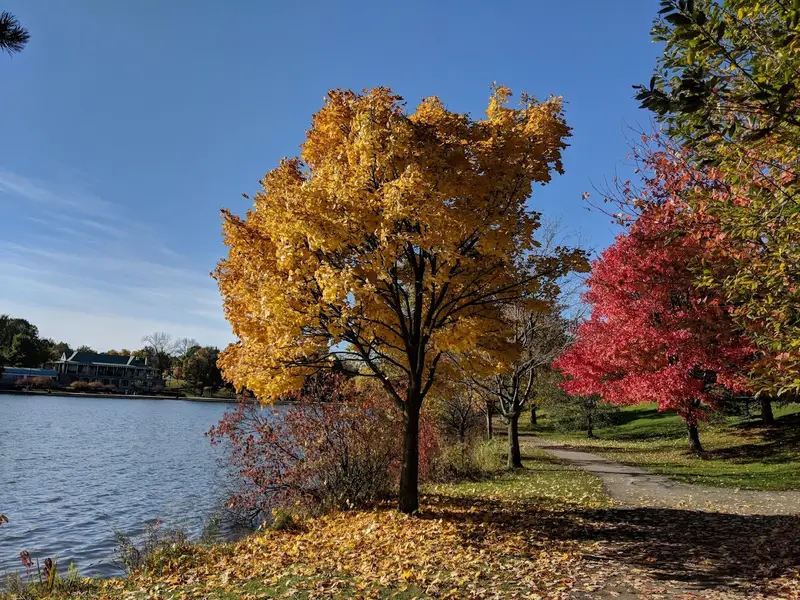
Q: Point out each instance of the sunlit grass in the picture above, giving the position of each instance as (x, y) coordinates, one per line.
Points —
(544, 479)
(739, 452)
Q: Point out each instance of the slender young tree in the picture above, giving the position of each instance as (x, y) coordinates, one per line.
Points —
(396, 239)
(541, 336)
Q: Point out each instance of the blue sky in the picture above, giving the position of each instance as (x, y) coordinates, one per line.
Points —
(127, 125)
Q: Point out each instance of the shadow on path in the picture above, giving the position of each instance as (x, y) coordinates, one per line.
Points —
(687, 551)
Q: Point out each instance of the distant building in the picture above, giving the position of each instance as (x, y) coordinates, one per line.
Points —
(126, 373)
(17, 373)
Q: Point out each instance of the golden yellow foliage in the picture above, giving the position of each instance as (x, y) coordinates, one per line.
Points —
(393, 239)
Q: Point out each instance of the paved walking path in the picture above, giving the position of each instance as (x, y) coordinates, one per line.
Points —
(634, 487)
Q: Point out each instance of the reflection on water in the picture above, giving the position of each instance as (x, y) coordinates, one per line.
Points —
(75, 470)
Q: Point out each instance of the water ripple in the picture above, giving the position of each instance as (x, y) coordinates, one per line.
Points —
(75, 470)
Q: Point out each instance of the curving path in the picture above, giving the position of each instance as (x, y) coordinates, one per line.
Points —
(634, 487)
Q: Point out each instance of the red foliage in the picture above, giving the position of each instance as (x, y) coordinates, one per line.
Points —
(331, 446)
(26, 560)
(652, 337)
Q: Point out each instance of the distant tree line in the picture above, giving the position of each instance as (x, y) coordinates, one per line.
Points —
(22, 346)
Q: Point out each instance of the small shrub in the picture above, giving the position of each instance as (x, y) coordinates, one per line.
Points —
(85, 386)
(282, 520)
(469, 460)
(211, 531)
(489, 456)
(453, 461)
(44, 581)
(37, 383)
(334, 447)
(157, 549)
(458, 414)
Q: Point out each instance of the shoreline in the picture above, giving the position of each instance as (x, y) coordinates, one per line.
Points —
(64, 394)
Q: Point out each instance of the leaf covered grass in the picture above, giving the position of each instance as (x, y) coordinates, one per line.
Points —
(546, 531)
(471, 539)
(739, 453)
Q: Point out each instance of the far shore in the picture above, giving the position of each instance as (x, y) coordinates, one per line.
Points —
(66, 394)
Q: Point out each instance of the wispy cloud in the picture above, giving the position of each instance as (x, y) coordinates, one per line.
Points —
(17, 186)
(86, 271)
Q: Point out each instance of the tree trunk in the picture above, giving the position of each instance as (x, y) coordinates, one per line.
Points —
(694, 438)
(766, 411)
(489, 428)
(514, 456)
(533, 415)
(409, 475)
(589, 427)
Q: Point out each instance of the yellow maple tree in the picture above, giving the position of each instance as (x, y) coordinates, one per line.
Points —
(395, 239)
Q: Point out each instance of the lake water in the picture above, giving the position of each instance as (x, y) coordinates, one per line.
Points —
(75, 470)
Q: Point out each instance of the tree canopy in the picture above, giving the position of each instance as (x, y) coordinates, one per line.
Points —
(20, 344)
(651, 336)
(726, 88)
(199, 368)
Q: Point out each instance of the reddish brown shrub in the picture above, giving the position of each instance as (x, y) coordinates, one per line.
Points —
(333, 446)
(38, 383)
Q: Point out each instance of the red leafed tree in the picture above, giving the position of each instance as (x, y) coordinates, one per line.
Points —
(651, 336)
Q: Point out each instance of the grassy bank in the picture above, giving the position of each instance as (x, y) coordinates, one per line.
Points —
(471, 538)
(740, 453)
(545, 532)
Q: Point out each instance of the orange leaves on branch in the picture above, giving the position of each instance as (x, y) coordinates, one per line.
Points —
(392, 239)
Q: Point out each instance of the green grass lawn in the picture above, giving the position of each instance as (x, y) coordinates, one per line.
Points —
(179, 385)
(740, 453)
(545, 479)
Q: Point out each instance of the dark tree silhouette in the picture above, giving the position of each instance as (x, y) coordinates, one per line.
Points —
(13, 36)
